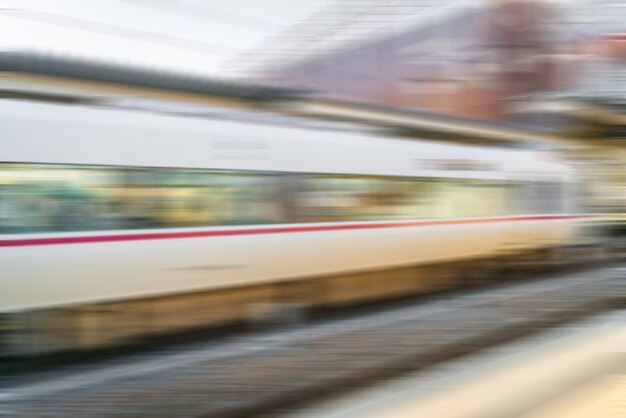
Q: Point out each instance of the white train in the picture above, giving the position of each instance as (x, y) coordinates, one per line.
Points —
(117, 224)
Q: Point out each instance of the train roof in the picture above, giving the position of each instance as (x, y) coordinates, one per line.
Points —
(77, 134)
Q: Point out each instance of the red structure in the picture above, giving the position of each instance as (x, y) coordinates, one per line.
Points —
(468, 63)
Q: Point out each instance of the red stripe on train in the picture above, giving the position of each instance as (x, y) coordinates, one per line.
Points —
(264, 230)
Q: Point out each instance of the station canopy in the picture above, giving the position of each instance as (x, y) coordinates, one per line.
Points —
(48, 77)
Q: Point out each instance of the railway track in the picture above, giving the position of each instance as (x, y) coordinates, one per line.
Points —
(260, 374)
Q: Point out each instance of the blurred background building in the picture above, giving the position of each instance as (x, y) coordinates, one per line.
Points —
(429, 55)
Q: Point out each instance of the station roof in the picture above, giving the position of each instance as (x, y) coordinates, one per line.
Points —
(579, 103)
(602, 117)
(424, 123)
(53, 77)
(44, 69)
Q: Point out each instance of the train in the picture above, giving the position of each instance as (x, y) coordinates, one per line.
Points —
(119, 225)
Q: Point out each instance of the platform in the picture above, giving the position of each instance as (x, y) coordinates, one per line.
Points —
(576, 371)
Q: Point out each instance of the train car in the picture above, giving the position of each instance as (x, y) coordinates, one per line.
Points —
(117, 225)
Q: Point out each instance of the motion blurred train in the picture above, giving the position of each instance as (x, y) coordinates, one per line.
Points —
(119, 225)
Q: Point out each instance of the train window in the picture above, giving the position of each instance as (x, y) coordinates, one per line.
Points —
(482, 198)
(325, 198)
(41, 198)
(335, 198)
(154, 198)
(250, 199)
(548, 197)
(423, 199)
(415, 198)
(448, 199)
(37, 198)
(520, 198)
(537, 197)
